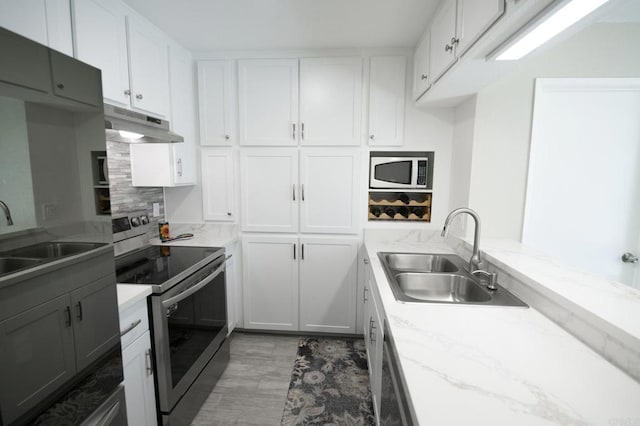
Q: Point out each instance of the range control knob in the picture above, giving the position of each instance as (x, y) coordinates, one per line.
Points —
(135, 221)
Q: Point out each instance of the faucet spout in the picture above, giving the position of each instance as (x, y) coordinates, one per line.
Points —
(7, 212)
(474, 262)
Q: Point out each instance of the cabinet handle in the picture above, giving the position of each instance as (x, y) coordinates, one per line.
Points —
(302, 191)
(293, 134)
(148, 362)
(372, 329)
(364, 295)
(179, 166)
(60, 86)
(423, 77)
(67, 312)
(448, 48)
(302, 252)
(228, 213)
(365, 261)
(127, 92)
(79, 309)
(131, 327)
(454, 41)
(226, 137)
(294, 192)
(139, 96)
(302, 131)
(294, 251)
(372, 137)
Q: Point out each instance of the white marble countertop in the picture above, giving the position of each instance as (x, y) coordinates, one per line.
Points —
(130, 294)
(204, 235)
(489, 365)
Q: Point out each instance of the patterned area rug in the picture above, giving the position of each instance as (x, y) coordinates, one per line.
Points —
(329, 384)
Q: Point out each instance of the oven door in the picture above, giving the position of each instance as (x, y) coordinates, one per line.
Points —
(190, 324)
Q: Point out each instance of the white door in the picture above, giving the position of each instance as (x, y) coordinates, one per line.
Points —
(583, 189)
(183, 110)
(421, 80)
(59, 26)
(328, 284)
(443, 28)
(149, 67)
(268, 101)
(217, 102)
(270, 281)
(218, 188)
(27, 18)
(101, 40)
(232, 285)
(386, 100)
(330, 101)
(138, 382)
(269, 190)
(329, 190)
(474, 18)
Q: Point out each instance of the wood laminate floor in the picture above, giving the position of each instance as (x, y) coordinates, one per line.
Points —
(253, 388)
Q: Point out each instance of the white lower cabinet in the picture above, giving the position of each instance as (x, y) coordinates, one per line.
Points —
(234, 287)
(299, 283)
(137, 363)
(374, 339)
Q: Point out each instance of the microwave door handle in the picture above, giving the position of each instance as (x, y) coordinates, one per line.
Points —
(414, 173)
(188, 292)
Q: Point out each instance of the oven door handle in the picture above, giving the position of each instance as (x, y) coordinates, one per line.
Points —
(188, 292)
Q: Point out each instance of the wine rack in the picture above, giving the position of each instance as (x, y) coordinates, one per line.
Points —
(400, 206)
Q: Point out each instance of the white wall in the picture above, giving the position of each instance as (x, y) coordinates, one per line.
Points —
(504, 111)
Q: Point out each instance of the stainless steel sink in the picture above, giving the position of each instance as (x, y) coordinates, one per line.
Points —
(50, 250)
(9, 265)
(439, 278)
(420, 262)
(441, 288)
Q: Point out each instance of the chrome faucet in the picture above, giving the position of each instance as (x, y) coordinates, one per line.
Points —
(7, 212)
(474, 262)
(491, 277)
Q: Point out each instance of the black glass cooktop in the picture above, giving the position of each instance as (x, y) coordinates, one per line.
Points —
(156, 265)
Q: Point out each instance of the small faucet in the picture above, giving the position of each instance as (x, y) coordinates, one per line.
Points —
(492, 278)
(7, 212)
(474, 262)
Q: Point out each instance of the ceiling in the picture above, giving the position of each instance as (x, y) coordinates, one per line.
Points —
(205, 25)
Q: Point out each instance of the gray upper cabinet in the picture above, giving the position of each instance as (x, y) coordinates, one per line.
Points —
(36, 356)
(95, 323)
(75, 80)
(24, 62)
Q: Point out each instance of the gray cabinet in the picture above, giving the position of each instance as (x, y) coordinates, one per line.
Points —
(75, 80)
(24, 62)
(36, 356)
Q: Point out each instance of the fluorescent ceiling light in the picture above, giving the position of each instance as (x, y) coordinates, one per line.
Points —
(549, 27)
(130, 135)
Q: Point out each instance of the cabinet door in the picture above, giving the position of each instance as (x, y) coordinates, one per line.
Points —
(442, 53)
(330, 101)
(153, 164)
(386, 100)
(377, 342)
(232, 293)
(138, 382)
(421, 80)
(218, 188)
(328, 190)
(75, 80)
(328, 285)
(217, 102)
(269, 189)
(474, 18)
(26, 17)
(268, 101)
(183, 114)
(24, 63)
(36, 356)
(95, 314)
(101, 40)
(149, 68)
(59, 26)
(270, 282)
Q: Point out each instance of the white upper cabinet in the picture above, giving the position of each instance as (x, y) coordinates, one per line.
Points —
(269, 189)
(268, 101)
(442, 54)
(218, 188)
(330, 101)
(148, 67)
(474, 18)
(46, 21)
(101, 40)
(217, 102)
(328, 190)
(132, 55)
(386, 100)
(421, 80)
(157, 164)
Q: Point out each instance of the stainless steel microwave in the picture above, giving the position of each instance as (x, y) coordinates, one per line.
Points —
(400, 172)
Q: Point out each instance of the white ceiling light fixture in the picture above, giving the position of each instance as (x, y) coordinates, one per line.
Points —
(544, 27)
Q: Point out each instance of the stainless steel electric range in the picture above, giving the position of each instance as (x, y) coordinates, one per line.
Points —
(187, 311)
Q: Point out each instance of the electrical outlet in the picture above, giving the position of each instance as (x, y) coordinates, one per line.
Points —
(49, 211)
(156, 209)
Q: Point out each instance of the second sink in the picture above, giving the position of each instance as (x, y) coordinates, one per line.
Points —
(420, 262)
(441, 288)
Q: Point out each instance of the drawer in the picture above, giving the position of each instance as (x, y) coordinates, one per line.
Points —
(134, 322)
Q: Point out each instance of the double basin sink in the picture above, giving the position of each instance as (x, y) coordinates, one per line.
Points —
(440, 278)
(27, 257)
